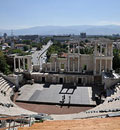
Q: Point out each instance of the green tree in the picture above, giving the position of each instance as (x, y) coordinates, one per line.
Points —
(26, 42)
(57, 48)
(26, 48)
(4, 67)
(39, 46)
(116, 59)
(17, 51)
(46, 39)
(33, 44)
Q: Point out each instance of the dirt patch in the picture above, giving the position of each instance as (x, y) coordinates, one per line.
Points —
(82, 124)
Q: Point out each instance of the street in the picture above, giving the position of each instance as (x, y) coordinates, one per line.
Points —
(39, 57)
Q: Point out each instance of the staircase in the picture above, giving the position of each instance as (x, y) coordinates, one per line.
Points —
(6, 87)
(6, 105)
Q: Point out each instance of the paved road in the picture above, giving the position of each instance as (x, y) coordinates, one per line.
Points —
(39, 57)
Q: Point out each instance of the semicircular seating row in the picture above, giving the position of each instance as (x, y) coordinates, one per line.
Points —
(111, 105)
(7, 107)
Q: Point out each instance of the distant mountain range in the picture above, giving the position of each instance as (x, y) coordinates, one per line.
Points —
(63, 30)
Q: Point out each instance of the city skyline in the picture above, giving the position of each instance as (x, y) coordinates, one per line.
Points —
(28, 13)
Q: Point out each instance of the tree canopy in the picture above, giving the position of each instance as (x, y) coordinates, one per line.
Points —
(116, 60)
(4, 67)
(57, 48)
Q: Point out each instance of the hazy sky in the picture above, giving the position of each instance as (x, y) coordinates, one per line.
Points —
(27, 13)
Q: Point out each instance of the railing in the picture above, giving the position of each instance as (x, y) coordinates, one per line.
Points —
(20, 120)
(71, 72)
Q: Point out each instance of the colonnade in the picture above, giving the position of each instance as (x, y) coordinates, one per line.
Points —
(106, 66)
(73, 56)
(67, 66)
(107, 52)
(24, 64)
(107, 55)
(73, 63)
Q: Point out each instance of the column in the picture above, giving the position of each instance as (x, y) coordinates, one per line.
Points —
(24, 64)
(60, 66)
(94, 66)
(14, 125)
(68, 64)
(14, 64)
(110, 64)
(40, 62)
(30, 63)
(50, 66)
(73, 65)
(68, 49)
(100, 65)
(46, 68)
(101, 49)
(78, 48)
(106, 50)
(27, 64)
(55, 66)
(105, 65)
(73, 48)
(78, 63)
(111, 50)
(9, 125)
(95, 50)
(19, 64)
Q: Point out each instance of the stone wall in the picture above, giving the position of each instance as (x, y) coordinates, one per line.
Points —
(63, 78)
(15, 79)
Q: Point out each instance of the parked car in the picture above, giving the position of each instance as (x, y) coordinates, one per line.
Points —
(40, 116)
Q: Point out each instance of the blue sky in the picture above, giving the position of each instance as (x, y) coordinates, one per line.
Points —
(28, 13)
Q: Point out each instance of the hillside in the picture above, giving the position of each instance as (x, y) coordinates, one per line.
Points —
(60, 30)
